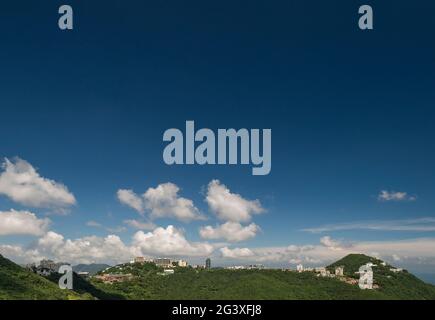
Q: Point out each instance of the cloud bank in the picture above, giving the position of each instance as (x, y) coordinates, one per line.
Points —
(426, 224)
(22, 223)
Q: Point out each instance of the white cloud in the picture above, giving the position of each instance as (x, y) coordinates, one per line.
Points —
(385, 195)
(230, 206)
(332, 244)
(230, 231)
(90, 249)
(22, 223)
(129, 198)
(169, 242)
(161, 202)
(163, 242)
(85, 250)
(50, 241)
(275, 254)
(93, 224)
(164, 201)
(426, 224)
(19, 254)
(22, 183)
(140, 225)
(236, 253)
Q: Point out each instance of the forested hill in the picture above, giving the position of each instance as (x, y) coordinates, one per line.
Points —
(146, 281)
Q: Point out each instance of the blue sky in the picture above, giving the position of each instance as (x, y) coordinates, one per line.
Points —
(351, 113)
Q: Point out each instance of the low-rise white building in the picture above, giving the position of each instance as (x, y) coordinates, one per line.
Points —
(339, 271)
(182, 263)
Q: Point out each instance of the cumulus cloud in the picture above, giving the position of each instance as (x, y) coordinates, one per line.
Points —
(385, 195)
(136, 224)
(22, 223)
(330, 243)
(236, 253)
(230, 231)
(19, 254)
(163, 242)
(90, 249)
(164, 201)
(161, 202)
(50, 241)
(22, 183)
(230, 206)
(169, 241)
(83, 250)
(131, 199)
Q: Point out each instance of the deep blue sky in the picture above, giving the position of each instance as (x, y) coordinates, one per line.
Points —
(351, 112)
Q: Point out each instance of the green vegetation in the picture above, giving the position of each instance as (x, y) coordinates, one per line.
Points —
(401, 285)
(189, 283)
(85, 288)
(17, 283)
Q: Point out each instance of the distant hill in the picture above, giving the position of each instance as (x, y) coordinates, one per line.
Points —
(18, 283)
(91, 268)
(401, 285)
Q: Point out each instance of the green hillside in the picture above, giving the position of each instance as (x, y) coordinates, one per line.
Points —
(188, 283)
(17, 283)
(402, 285)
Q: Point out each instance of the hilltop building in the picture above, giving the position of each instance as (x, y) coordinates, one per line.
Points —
(139, 260)
(300, 268)
(339, 271)
(256, 267)
(163, 262)
(182, 263)
(236, 268)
